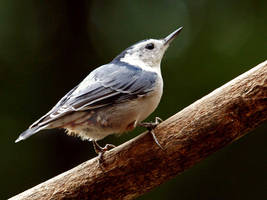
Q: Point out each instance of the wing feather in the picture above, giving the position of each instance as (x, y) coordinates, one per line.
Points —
(108, 84)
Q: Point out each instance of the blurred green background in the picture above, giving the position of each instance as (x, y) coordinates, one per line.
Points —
(48, 47)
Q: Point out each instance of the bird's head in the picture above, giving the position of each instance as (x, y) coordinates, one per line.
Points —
(147, 53)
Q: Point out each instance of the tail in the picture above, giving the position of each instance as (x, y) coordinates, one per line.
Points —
(29, 132)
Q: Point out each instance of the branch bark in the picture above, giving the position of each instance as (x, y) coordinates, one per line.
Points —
(188, 137)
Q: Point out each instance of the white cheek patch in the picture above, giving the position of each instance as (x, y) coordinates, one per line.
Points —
(146, 59)
(134, 59)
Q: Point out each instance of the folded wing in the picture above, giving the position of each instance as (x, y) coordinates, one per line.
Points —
(107, 85)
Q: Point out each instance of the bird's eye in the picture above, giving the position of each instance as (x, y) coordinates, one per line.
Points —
(149, 46)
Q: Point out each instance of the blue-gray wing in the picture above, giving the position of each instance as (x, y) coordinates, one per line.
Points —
(111, 84)
(107, 85)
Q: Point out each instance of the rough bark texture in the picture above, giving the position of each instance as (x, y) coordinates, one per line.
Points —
(189, 136)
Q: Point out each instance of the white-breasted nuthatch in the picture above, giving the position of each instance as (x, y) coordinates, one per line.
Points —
(114, 98)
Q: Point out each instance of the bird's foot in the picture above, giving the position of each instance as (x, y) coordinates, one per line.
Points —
(101, 150)
(150, 126)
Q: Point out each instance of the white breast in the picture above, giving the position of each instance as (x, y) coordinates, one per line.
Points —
(117, 118)
(149, 103)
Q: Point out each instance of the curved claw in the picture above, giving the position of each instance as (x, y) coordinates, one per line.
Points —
(150, 127)
(101, 150)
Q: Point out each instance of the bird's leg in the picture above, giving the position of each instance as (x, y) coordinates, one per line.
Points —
(150, 126)
(101, 150)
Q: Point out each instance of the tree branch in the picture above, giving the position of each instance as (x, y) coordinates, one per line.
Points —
(188, 137)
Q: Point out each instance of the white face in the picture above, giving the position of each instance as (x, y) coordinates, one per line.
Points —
(146, 54)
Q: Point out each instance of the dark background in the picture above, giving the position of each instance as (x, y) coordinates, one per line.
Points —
(48, 47)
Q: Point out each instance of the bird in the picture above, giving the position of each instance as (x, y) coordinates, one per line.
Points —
(114, 98)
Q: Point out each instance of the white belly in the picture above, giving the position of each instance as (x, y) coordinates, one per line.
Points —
(148, 104)
(117, 118)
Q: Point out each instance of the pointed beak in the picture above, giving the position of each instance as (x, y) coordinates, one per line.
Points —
(167, 40)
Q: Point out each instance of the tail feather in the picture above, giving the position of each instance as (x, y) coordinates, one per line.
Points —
(29, 132)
